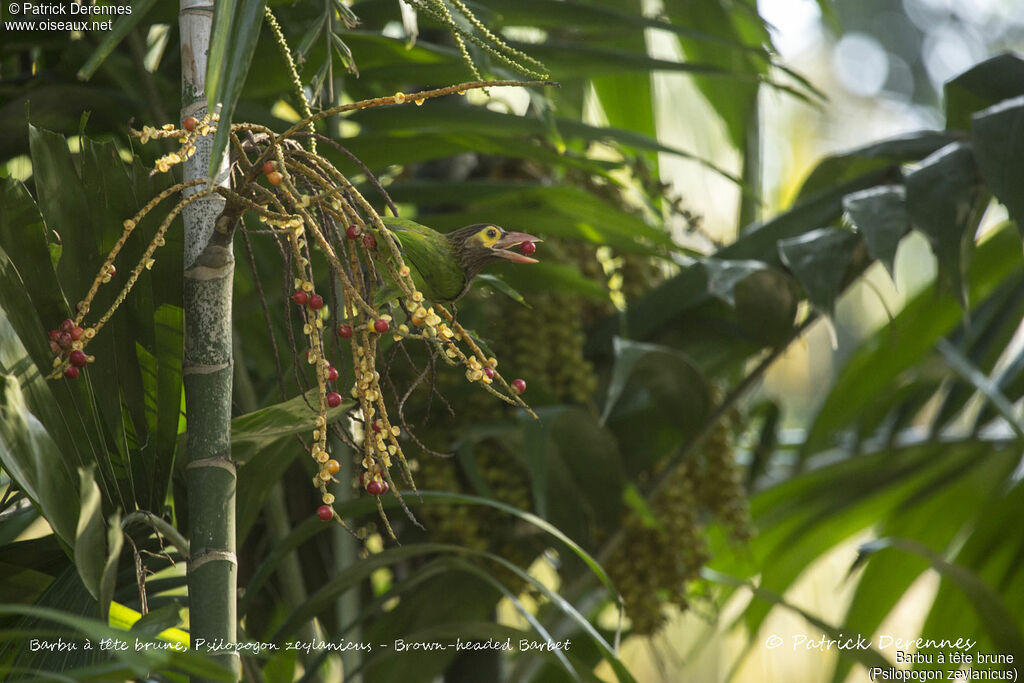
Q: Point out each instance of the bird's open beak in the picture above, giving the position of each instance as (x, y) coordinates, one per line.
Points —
(514, 239)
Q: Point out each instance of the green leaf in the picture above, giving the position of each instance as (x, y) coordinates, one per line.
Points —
(312, 526)
(281, 419)
(23, 236)
(90, 537)
(930, 516)
(559, 211)
(880, 216)
(632, 358)
(229, 61)
(945, 201)
(820, 260)
(499, 285)
(970, 372)
(139, 661)
(735, 103)
(991, 610)
(991, 81)
(657, 401)
(152, 624)
(443, 117)
(581, 60)
(993, 324)
(526, 614)
(869, 658)
(312, 34)
(65, 207)
(108, 580)
(547, 276)
(840, 168)
(584, 459)
(218, 55)
(122, 25)
(869, 374)
(35, 462)
(166, 393)
(263, 464)
(627, 100)
(991, 552)
(655, 311)
(997, 136)
(806, 516)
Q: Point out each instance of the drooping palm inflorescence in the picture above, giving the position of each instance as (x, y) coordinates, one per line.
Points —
(309, 206)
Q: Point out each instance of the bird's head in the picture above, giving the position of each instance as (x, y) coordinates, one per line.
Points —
(484, 243)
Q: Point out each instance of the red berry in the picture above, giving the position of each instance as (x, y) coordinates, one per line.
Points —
(518, 386)
(190, 123)
(353, 232)
(325, 513)
(55, 347)
(527, 248)
(111, 270)
(67, 325)
(64, 339)
(334, 399)
(300, 297)
(380, 326)
(377, 426)
(54, 335)
(78, 358)
(316, 302)
(344, 330)
(375, 488)
(76, 333)
(332, 374)
(274, 178)
(268, 168)
(384, 488)
(489, 372)
(362, 478)
(71, 372)
(369, 241)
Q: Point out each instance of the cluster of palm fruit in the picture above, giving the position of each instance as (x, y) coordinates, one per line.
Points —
(663, 549)
(309, 206)
(557, 367)
(481, 528)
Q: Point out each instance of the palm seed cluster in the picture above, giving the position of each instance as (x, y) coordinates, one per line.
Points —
(308, 205)
(661, 555)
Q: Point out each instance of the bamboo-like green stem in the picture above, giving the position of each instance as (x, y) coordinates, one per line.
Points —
(750, 200)
(207, 368)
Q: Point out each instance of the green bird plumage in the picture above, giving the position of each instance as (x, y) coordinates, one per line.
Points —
(444, 265)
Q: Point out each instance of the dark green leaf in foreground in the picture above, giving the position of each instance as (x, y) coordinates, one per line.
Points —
(996, 79)
(997, 134)
(880, 216)
(33, 460)
(90, 538)
(945, 202)
(819, 259)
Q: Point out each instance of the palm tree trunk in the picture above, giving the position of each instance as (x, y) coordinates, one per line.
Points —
(211, 475)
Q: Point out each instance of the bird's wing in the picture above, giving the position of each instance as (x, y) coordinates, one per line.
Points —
(430, 254)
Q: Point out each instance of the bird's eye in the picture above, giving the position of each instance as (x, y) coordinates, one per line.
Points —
(492, 233)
